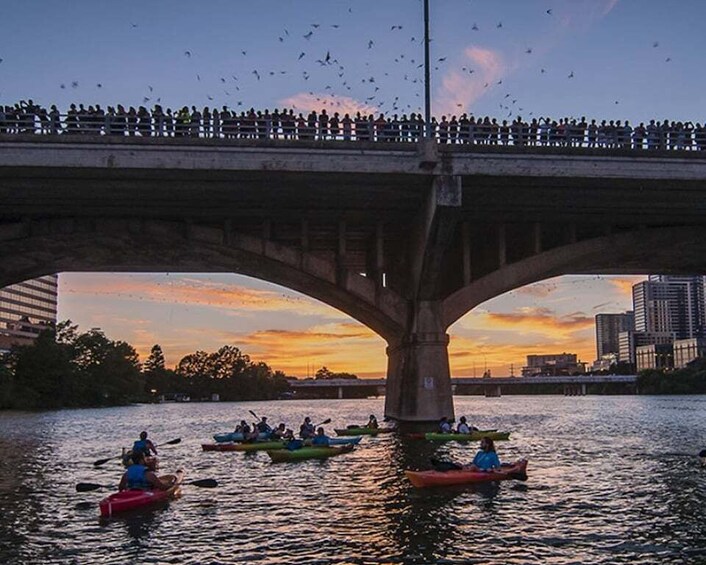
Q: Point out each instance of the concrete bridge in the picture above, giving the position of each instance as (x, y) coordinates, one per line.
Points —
(573, 385)
(405, 238)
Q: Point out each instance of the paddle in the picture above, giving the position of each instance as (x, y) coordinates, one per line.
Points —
(203, 483)
(326, 421)
(101, 461)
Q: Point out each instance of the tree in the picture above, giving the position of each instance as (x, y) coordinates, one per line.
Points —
(155, 361)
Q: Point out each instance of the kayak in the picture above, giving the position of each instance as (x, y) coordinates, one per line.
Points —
(475, 436)
(237, 436)
(422, 435)
(151, 461)
(255, 446)
(282, 455)
(361, 431)
(134, 498)
(271, 445)
(421, 479)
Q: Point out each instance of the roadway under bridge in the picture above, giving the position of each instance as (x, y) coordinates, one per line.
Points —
(406, 238)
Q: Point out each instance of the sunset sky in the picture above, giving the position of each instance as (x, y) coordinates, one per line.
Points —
(604, 59)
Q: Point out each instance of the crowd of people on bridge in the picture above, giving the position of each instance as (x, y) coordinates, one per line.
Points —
(26, 117)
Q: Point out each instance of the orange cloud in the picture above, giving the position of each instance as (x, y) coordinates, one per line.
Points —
(469, 356)
(307, 102)
(529, 320)
(625, 284)
(347, 347)
(459, 90)
(186, 290)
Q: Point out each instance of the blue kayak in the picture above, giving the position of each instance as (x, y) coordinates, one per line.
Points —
(344, 440)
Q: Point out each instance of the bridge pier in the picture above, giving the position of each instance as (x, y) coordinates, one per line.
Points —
(419, 379)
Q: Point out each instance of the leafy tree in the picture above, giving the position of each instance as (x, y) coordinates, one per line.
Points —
(326, 374)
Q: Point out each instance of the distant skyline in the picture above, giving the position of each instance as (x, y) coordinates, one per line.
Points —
(603, 59)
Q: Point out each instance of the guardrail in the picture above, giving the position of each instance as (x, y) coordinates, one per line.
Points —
(226, 125)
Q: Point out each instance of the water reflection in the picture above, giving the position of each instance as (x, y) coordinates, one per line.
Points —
(609, 483)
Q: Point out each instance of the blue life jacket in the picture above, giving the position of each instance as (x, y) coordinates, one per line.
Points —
(320, 440)
(136, 477)
(294, 444)
(486, 460)
(140, 446)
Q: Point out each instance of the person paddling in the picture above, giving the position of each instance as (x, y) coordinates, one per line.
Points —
(445, 426)
(486, 459)
(144, 446)
(263, 427)
(320, 439)
(139, 476)
(307, 430)
(372, 422)
(279, 432)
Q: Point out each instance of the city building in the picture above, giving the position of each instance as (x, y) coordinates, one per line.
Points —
(27, 308)
(654, 356)
(630, 341)
(608, 328)
(686, 350)
(553, 365)
(667, 303)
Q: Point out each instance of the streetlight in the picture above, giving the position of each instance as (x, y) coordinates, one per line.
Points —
(427, 74)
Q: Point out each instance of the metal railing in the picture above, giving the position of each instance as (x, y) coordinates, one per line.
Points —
(227, 125)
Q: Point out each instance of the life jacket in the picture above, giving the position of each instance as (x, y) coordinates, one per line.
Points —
(136, 477)
(140, 446)
(320, 440)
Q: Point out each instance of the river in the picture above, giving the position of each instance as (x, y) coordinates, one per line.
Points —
(612, 479)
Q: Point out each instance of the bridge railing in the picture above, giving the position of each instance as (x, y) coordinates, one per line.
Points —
(280, 127)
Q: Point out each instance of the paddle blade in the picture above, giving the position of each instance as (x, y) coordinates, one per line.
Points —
(174, 441)
(205, 483)
(254, 415)
(326, 421)
(101, 461)
(86, 487)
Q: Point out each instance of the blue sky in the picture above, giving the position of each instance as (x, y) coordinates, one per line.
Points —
(627, 59)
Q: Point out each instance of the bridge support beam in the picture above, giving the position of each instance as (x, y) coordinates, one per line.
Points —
(418, 375)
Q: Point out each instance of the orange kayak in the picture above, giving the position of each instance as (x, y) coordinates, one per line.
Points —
(421, 479)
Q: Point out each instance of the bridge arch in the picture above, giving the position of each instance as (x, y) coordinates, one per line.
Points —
(29, 250)
(663, 250)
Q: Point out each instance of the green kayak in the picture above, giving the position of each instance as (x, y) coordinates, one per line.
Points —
(362, 431)
(475, 436)
(282, 455)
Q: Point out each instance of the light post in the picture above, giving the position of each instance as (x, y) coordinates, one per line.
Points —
(427, 74)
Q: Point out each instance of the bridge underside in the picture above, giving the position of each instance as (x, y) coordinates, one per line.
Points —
(405, 249)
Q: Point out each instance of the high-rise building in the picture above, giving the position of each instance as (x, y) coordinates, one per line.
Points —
(608, 328)
(667, 303)
(553, 365)
(27, 308)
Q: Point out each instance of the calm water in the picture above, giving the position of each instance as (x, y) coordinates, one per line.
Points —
(611, 480)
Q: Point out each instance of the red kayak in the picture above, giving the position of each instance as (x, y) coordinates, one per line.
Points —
(421, 479)
(133, 499)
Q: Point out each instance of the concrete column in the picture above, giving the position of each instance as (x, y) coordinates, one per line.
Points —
(340, 392)
(502, 246)
(418, 376)
(466, 242)
(583, 389)
(537, 232)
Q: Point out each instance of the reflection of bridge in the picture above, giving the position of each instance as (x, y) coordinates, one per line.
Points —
(405, 238)
(575, 385)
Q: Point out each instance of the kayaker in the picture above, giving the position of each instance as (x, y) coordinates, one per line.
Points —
(486, 459)
(702, 454)
(139, 476)
(307, 430)
(463, 427)
(263, 427)
(372, 422)
(242, 428)
(320, 439)
(445, 426)
(278, 432)
(144, 446)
